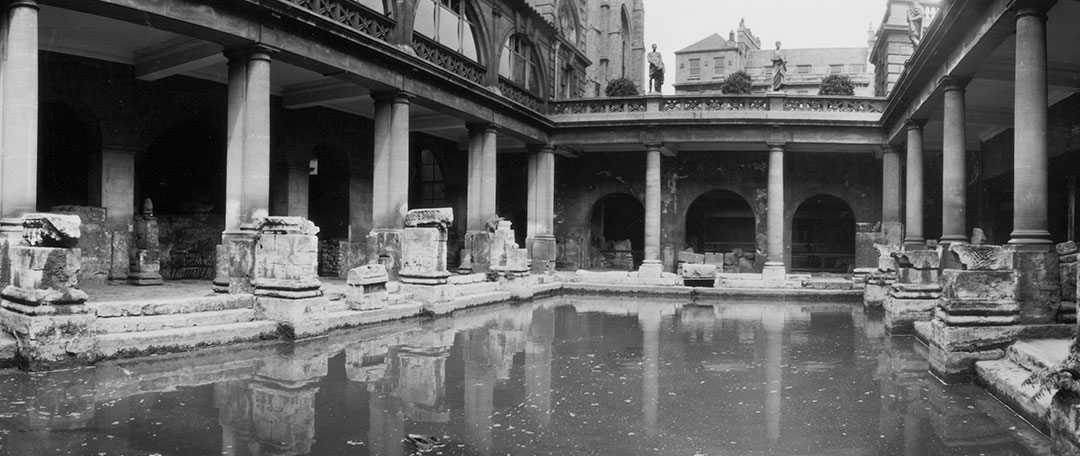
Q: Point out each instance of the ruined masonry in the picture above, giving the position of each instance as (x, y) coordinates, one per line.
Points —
(146, 256)
(914, 295)
(882, 278)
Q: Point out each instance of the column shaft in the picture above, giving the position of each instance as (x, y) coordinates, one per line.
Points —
(913, 222)
(890, 196)
(541, 192)
(390, 180)
(953, 167)
(18, 156)
(774, 215)
(652, 204)
(482, 176)
(1030, 147)
(247, 181)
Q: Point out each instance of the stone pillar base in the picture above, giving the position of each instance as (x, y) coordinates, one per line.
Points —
(234, 262)
(145, 267)
(774, 271)
(367, 288)
(478, 245)
(651, 269)
(296, 318)
(145, 278)
(543, 251)
(384, 247)
(909, 303)
(430, 295)
(49, 337)
(1038, 286)
(877, 289)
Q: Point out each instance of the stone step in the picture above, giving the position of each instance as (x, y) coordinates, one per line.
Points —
(118, 345)
(1038, 353)
(156, 322)
(1005, 380)
(8, 348)
(172, 306)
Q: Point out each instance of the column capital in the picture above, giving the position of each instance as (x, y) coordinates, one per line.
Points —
(257, 51)
(540, 148)
(12, 4)
(1031, 7)
(914, 124)
(653, 146)
(482, 127)
(891, 149)
(950, 83)
(776, 146)
(392, 96)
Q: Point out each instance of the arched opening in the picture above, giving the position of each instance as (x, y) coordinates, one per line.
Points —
(823, 236)
(720, 221)
(624, 35)
(448, 23)
(328, 195)
(66, 144)
(183, 173)
(617, 232)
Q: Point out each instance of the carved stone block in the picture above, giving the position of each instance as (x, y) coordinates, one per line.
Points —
(441, 217)
(51, 230)
(918, 259)
(886, 262)
(982, 257)
(44, 276)
(423, 256)
(367, 287)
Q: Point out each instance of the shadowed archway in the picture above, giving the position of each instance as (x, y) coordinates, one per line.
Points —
(823, 236)
(617, 226)
(720, 221)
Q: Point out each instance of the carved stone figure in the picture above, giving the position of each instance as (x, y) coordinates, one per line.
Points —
(915, 15)
(656, 70)
(779, 69)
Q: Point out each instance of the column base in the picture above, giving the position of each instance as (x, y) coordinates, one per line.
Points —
(234, 263)
(651, 269)
(542, 251)
(774, 271)
(915, 244)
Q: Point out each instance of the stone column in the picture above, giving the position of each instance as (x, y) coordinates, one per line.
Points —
(953, 180)
(1029, 144)
(541, 242)
(891, 226)
(390, 180)
(115, 185)
(1038, 289)
(247, 171)
(18, 157)
(913, 223)
(774, 216)
(481, 196)
(651, 267)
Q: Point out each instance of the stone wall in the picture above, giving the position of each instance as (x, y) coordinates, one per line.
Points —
(187, 244)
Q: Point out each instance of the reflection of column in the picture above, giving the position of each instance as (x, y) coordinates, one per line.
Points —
(774, 263)
(651, 265)
(421, 382)
(386, 423)
(233, 401)
(953, 167)
(19, 154)
(390, 184)
(890, 195)
(538, 365)
(773, 323)
(913, 223)
(1029, 143)
(283, 401)
(480, 369)
(649, 319)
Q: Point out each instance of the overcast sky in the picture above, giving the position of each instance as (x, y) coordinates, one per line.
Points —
(676, 24)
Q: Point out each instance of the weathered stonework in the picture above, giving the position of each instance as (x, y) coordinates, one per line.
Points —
(384, 247)
(145, 260)
(1039, 287)
(1067, 270)
(914, 295)
(506, 259)
(367, 287)
(423, 247)
(287, 258)
(234, 261)
(476, 256)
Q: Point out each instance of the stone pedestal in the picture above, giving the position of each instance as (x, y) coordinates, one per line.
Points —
(42, 306)
(145, 260)
(423, 246)
(506, 259)
(914, 295)
(234, 261)
(1067, 270)
(1038, 288)
(983, 295)
(285, 275)
(477, 251)
(367, 287)
(543, 249)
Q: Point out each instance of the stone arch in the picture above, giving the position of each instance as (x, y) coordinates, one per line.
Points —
(69, 149)
(613, 219)
(531, 75)
(720, 220)
(822, 235)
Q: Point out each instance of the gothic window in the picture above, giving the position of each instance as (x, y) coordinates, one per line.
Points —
(445, 21)
(516, 63)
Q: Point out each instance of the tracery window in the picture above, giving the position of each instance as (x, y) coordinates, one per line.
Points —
(446, 22)
(516, 63)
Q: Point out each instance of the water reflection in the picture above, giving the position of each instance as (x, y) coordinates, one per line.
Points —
(561, 376)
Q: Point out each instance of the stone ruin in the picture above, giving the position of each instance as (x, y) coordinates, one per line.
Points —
(284, 267)
(43, 306)
(1067, 264)
(506, 259)
(880, 280)
(145, 258)
(423, 246)
(978, 304)
(914, 294)
(367, 287)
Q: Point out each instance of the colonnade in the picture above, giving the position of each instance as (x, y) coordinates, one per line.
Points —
(1030, 195)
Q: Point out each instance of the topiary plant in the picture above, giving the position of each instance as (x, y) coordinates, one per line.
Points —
(737, 83)
(621, 87)
(837, 84)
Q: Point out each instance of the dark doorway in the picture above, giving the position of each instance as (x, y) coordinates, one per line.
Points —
(329, 193)
(823, 236)
(67, 144)
(183, 170)
(618, 232)
(720, 221)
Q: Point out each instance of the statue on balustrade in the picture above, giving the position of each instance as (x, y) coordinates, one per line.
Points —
(656, 70)
(779, 69)
(915, 15)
